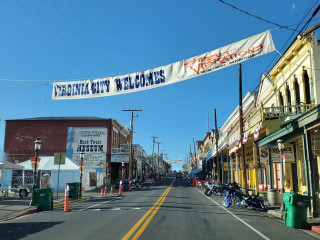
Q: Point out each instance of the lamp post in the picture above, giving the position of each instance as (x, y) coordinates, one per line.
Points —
(37, 146)
(81, 172)
(122, 170)
(281, 147)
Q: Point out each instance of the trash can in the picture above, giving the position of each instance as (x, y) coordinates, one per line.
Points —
(46, 199)
(43, 198)
(74, 190)
(296, 207)
(273, 197)
(117, 182)
(34, 198)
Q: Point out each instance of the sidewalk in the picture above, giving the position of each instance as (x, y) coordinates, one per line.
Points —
(11, 208)
(313, 223)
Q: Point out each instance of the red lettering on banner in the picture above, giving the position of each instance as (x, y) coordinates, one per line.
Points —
(201, 63)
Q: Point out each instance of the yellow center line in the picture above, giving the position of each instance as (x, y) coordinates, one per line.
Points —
(153, 210)
(144, 226)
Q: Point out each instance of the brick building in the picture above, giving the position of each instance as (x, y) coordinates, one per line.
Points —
(20, 135)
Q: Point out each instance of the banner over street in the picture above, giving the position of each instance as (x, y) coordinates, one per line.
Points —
(193, 67)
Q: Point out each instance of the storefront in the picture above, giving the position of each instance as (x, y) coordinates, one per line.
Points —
(301, 160)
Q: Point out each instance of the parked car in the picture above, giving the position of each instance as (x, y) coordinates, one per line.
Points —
(179, 175)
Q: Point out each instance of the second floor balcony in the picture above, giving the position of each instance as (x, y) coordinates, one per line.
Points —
(261, 114)
(269, 113)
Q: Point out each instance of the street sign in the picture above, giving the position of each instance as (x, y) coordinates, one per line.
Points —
(59, 158)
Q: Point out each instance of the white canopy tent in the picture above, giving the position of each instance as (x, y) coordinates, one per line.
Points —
(69, 172)
(8, 165)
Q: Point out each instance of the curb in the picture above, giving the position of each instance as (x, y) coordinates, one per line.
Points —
(24, 213)
(56, 205)
(315, 229)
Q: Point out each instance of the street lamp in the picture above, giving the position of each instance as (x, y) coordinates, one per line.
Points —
(281, 147)
(37, 146)
(81, 172)
(123, 170)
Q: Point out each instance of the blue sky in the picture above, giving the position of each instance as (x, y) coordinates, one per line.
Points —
(44, 41)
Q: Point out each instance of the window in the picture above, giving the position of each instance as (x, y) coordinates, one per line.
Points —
(297, 91)
(288, 99)
(306, 87)
(280, 99)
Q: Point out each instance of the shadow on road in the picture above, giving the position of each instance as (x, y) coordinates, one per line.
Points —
(15, 231)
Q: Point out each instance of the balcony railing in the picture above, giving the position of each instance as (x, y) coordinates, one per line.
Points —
(269, 113)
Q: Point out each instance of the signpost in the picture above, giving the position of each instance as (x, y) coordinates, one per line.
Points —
(59, 158)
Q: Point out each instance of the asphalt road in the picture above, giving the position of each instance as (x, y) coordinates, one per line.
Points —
(171, 209)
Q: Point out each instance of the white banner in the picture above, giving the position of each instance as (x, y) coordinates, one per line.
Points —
(193, 67)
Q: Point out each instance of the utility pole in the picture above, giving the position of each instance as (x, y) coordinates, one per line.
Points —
(190, 160)
(158, 159)
(217, 149)
(153, 142)
(243, 163)
(131, 150)
(208, 123)
(195, 154)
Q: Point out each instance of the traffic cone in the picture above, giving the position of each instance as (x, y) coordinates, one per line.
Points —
(105, 190)
(120, 190)
(111, 191)
(66, 199)
(101, 191)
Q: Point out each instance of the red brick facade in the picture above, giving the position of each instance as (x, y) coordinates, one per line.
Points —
(20, 135)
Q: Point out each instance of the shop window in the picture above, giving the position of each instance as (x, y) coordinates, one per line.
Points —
(306, 80)
(301, 170)
(315, 148)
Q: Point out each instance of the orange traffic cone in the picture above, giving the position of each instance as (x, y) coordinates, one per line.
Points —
(105, 190)
(120, 190)
(111, 191)
(66, 199)
(101, 191)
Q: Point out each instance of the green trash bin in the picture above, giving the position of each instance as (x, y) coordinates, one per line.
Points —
(46, 199)
(296, 207)
(117, 182)
(74, 190)
(43, 198)
(34, 198)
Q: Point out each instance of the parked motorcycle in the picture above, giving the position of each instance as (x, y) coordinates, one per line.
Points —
(236, 197)
(135, 184)
(210, 188)
(125, 184)
(232, 196)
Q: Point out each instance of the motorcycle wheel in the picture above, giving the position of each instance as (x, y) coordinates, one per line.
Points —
(225, 202)
(208, 192)
(263, 207)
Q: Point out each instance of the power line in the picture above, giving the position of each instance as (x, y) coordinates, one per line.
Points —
(90, 35)
(77, 35)
(252, 15)
(283, 46)
(50, 35)
(25, 86)
(30, 110)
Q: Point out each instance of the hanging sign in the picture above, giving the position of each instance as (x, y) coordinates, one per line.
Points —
(193, 67)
